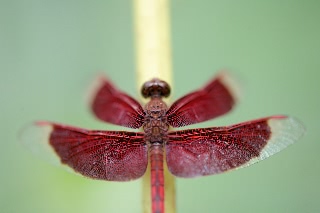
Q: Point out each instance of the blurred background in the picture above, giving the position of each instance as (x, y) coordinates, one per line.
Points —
(50, 51)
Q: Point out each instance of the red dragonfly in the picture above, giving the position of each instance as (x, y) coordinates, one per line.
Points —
(123, 155)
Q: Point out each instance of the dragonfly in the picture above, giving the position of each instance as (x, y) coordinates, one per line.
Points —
(124, 155)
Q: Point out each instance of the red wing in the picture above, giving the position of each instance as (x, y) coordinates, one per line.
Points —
(208, 151)
(105, 155)
(113, 106)
(216, 99)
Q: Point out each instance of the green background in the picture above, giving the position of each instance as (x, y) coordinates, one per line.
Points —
(50, 50)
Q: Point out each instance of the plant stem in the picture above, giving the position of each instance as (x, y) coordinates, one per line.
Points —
(153, 59)
(152, 40)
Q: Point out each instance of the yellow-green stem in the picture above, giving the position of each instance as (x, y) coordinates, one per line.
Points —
(153, 59)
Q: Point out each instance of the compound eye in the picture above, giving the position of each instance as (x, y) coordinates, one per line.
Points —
(155, 87)
(165, 89)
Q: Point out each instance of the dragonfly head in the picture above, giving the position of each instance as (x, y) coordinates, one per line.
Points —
(155, 88)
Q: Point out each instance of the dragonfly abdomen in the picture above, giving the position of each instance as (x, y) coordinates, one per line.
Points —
(157, 177)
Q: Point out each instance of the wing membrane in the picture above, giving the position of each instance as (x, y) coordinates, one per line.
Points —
(111, 105)
(208, 151)
(216, 99)
(105, 155)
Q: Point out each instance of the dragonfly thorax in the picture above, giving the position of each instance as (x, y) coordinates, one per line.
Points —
(155, 124)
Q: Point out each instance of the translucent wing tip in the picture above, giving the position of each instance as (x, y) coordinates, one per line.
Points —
(42, 123)
(35, 137)
(94, 87)
(285, 130)
(232, 83)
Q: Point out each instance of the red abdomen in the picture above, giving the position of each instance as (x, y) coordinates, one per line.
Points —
(157, 178)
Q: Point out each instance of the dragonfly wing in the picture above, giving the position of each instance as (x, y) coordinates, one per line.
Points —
(216, 99)
(113, 106)
(105, 155)
(208, 151)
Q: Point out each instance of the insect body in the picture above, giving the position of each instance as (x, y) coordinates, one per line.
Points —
(123, 155)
